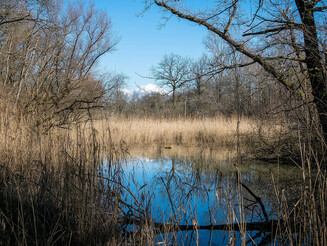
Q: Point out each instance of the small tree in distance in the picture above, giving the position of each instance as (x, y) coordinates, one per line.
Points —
(173, 71)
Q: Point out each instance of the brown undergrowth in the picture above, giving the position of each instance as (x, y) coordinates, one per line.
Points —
(52, 191)
(256, 138)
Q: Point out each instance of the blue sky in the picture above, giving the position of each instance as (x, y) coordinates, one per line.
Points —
(142, 43)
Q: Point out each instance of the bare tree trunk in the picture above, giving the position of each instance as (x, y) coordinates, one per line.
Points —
(238, 105)
(313, 62)
(174, 97)
(185, 107)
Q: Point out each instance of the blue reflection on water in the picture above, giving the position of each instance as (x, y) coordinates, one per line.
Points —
(175, 190)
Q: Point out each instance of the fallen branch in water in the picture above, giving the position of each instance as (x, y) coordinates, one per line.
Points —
(266, 226)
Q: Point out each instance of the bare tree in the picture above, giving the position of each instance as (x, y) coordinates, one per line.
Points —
(200, 75)
(173, 71)
(115, 97)
(48, 59)
(284, 37)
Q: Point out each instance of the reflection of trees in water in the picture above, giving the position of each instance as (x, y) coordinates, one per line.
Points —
(186, 185)
(205, 193)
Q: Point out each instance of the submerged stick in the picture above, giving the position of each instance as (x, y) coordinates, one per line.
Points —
(257, 199)
(266, 226)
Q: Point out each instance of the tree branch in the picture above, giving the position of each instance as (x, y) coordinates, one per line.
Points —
(238, 46)
(231, 17)
(319, 9)
(277, 29)
(24, 18)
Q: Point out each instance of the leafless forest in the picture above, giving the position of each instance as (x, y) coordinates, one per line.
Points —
(260, 91)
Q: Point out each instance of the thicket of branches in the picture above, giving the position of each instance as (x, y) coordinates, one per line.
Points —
(48, 52)
(286, 39)
(198, 88)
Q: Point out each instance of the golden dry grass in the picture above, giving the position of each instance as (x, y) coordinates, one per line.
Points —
(49, 184)
(52, 178)
(208, 132)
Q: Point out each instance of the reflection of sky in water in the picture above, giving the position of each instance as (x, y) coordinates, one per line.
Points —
(177, 178)
(192, 192)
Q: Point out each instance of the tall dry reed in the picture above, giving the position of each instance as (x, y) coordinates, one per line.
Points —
(53, 191)
(206, 132)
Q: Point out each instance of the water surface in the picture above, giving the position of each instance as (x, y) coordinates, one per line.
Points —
(191, 190)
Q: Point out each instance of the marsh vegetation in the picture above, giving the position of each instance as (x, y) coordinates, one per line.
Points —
(232, 151)
(91, 185)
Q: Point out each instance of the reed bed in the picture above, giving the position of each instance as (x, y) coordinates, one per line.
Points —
(54, 192)
(51, 189)
(216, 131)
(251, 139)
(206, 132)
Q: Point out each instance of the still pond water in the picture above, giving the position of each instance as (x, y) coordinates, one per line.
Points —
(200, 190)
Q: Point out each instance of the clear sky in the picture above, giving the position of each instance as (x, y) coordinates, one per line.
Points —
(142, 43)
